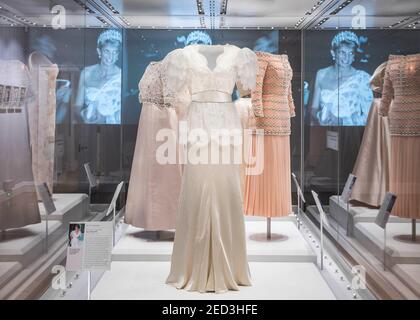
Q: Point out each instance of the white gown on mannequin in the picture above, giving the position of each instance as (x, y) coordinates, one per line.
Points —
(209, 251)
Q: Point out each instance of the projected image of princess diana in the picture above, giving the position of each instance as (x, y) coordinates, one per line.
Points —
(99, 92)
(342, 94)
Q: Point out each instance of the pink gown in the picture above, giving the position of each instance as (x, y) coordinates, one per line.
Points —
(153, 191)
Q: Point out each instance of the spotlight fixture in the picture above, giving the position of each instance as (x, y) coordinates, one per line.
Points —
(299, 22)
(200, 7)
(321, 22)
(14, 19)
(212, 5)
(341, 7)
(316, 6)
(84, 6)
(413, 25)
(400, 22)
(203, 22)
(223, 7)
(102, 20)
(110, 6)
(123, 19)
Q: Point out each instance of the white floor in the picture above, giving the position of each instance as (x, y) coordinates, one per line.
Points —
(281, 268)
(271, 280)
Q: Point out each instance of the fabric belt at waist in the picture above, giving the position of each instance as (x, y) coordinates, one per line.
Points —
(211, 96)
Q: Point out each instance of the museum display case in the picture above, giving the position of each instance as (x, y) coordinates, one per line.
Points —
(104, 106)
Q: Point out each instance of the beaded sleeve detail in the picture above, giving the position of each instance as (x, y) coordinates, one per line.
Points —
(402, 87)
(272, 100)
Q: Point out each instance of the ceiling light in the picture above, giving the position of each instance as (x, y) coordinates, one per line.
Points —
(341, 7)
(316, 6)
(200, 8)
(223, 7)
(110, 6)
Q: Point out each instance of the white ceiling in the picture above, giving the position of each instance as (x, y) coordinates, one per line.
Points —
(299, 14)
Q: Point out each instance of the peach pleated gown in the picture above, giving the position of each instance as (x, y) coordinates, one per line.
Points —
(402, 84)
(268, 192)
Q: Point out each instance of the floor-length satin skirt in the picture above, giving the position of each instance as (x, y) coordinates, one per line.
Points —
(209, 251)
(268, 194)
(405, 176)
(153, 192)
(372, 164)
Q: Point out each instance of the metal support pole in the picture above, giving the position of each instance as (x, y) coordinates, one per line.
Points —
(298, 211)
(348, 219)
(385, 248)
(413, 230)
(268, 228)
(90, 194)
(113, 221)
(89, 285)
(322, 243)
(46, 231)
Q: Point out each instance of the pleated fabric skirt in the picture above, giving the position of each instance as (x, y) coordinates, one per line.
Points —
(372, 164)
(153, 191)
(405, 176)
(268, 194)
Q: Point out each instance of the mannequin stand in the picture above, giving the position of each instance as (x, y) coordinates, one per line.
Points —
(268, 228)
(158, 235)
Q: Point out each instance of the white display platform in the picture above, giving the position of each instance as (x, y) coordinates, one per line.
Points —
(70, 207)
(28, 243)
(410, 275)
(398, 252)
(8, 270)
(342, 211)
(275, 280)
(287, 244)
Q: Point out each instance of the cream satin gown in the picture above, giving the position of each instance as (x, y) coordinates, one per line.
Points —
(209, 251)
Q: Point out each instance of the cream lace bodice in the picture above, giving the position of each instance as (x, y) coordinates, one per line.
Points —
(189, 67)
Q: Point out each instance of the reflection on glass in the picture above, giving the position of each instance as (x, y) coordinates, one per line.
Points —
(99, 93)
(342, 95)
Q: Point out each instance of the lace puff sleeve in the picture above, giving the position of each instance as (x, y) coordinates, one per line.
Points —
(177, 68)
(247, 67)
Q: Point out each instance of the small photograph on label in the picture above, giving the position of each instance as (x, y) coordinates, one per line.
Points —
(76, 235)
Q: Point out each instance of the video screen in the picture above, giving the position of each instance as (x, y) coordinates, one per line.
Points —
(144, 46)
(100, 69)
(338, 69)
(89, 83)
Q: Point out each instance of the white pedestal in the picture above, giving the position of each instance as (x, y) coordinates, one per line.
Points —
(348, 216)
(70, 207)
(7, 271)
(410, 275)
(26, 244)
(287, 244)
(398, 252)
